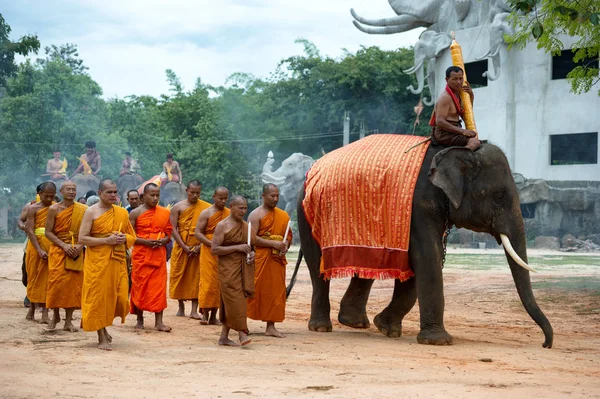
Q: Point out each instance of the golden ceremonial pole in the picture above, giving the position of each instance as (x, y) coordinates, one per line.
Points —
(457, 60)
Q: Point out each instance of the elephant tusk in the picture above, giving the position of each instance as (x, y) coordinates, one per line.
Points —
(513, 254)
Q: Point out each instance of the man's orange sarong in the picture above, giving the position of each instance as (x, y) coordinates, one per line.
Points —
(64, 286)
(358, 203)
(209, 295)
(105, 282)
(37, 268)
(149, 265)
(268, 303)
(184, 275)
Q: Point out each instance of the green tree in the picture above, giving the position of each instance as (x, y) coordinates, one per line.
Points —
(24, 46)
(547, 20)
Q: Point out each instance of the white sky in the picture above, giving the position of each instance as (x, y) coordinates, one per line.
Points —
(128, 44)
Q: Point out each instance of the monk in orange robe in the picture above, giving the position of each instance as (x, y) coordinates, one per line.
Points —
(269, 223)
(209, 296)
(184, 275)
(37, 252)
(65, 259)
(236, 271)
(149, 258)
(106, 233)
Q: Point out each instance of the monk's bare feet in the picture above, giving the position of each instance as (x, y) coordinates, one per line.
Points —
(55, 320)
(105, 346)
(227, 342)
(204, 320)
(30, 314)
(271, 331)
(103, 342)
(139, 325)
(108, 336)
(181, 310)
(71, 328)
(162, 327)
(244, 338)
(195, 315)
(45, 320)
(214, 322)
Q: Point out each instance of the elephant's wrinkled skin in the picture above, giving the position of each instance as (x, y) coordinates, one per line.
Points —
(171, 193)
(473, 190)
(86, 183)
(125, 183)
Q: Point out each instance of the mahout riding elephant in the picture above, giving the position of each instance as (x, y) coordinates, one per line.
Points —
(289, 177)
(171, 193)
(455, 186)
(86, 183)
(127, 182)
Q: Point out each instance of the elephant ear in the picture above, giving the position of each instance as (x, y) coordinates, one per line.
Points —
(450, 170)
(307, 162)
(442, 42)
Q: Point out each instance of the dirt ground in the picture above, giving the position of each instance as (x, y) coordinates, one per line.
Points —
(497, 351)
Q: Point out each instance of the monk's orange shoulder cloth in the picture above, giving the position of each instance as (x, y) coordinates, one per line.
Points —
(359, 203)
(153, 224)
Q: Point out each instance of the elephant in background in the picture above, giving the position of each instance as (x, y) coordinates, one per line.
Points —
(289, 177)
(85, 183)
(129, 181)
(171, 193)
(499, 27)
(455, 186)
(427, 48)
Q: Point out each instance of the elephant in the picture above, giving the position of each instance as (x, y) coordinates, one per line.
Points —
(455, 186)
(86, 183)
(289, 177)
(427, 48)
(129, 181)
(171, 193)
(499, 26)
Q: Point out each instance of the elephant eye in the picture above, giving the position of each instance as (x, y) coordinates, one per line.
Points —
(499, 197)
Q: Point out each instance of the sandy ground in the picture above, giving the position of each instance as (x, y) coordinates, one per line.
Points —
(497, 350)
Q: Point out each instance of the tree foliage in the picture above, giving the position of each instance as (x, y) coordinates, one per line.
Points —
(24, 46)
(546, 21)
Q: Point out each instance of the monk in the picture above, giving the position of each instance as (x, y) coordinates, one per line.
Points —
(37, 252)
(171, 170)
(445, 121)
(106, 233)
(269, 224)
(22, 225)
(236, 271)
(65, 256)
(91, 158)
(54, 166)
(184, 277)
(209, 296)
(149, 258)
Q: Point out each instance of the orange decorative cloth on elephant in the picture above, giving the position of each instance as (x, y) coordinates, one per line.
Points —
(358, 203)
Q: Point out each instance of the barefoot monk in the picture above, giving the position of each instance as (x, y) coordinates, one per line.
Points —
(149, 258)
(65, 258)
(37, 251)
(236, 271)
(270, 224)
(184, 275)
(106, 233)
(209, 296)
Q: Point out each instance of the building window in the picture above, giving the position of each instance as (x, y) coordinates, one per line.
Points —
(475, 71)
(574, 149)
(563, 64)
(528, 211)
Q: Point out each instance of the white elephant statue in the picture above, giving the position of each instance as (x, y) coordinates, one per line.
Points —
(499, 26)
(289, 177)
(429, 46)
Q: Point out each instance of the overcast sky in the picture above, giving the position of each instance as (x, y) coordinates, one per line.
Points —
(128, 44)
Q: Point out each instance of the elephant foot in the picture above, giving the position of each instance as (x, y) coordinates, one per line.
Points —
(353, 319)
(320, 324)
(387, 325)
(435, 338)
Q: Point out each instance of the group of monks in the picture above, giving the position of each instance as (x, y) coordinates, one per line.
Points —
(76, 259)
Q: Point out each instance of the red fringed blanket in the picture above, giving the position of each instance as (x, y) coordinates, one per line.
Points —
(359, 202)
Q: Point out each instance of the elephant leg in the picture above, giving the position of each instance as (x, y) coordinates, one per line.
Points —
(320, 308)
(353, 308)
(426, 260)
(389, 321)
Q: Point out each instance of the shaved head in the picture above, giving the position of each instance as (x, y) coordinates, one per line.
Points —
(237, 200)
(104, 183)
(268, 187)
(47, 186)
(195, 183)
(222, 190)
(149, 186)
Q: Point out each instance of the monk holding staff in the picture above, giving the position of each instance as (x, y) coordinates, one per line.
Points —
(209, 297)
(65, 258)
(37, 251)
(184, 276)
(106, 233)
(149, 258)
(270, 224)
(232, 245)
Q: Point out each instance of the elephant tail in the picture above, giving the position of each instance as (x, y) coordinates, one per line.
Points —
(288, 290)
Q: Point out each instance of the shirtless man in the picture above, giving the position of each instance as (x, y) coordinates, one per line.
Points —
(91, 157)
(172, 170)
(54, 166)
(445, 122)
(129, 165)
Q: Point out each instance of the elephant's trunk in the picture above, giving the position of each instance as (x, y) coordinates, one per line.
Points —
(273, 178)
(386, 30)
(418, 69)
(397, 20)
(523, 284)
